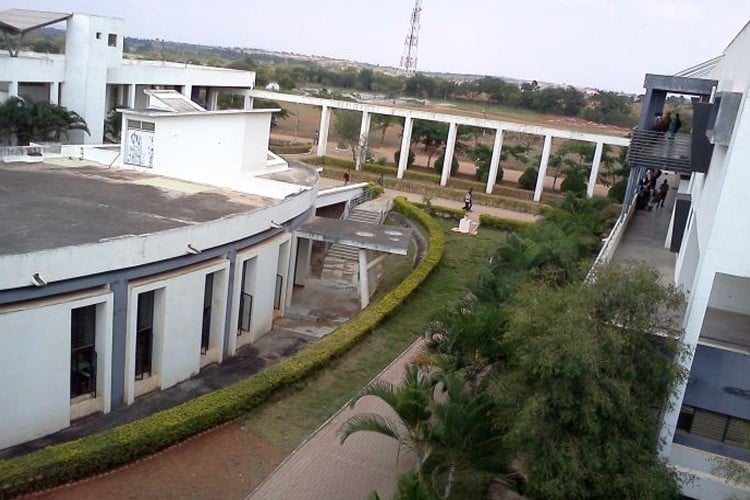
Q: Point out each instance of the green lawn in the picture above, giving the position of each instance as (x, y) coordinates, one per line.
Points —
(294, 413)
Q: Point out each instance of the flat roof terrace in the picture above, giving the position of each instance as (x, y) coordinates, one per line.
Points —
(48, 205)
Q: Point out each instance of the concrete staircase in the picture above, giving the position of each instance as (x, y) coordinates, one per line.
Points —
(342, 261)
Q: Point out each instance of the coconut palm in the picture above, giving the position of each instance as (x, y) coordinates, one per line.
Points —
(410, 401)
(28, 121)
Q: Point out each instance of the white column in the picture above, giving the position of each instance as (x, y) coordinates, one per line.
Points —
(131, 95)
(692, 325)
(364, 282)
(13, 89)
(595, 169)
(403, 160)
(325, 121)
(187, 90)
(543, 167)
(213, 99)
(497, 149)
(450, 146)
(364, 134)
(54, 92)
(248, 102)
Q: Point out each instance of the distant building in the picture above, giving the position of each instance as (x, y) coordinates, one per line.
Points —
(92, 77)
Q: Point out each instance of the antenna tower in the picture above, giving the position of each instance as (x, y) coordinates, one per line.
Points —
(409, 58)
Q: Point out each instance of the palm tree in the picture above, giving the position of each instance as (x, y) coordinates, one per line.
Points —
(410, 401)
(37, 121)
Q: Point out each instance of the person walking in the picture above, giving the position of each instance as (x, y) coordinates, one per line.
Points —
(663, 190)
(346, 176)
(675, 125)
(469, 200)
(380, 181)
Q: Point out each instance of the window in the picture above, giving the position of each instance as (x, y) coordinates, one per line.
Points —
(208, 294)
(144, 335)
(98, 35)
(82, 351)
(714, 426)
(112, 40)
(277, 292)
(246, 299)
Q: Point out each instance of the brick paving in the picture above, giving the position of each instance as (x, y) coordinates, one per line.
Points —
(321, 468)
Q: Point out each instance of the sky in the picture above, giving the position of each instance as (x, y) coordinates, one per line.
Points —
(604, 44)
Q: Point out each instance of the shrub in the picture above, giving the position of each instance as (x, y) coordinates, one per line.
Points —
(573, 183)
(438, 166)
(501, 223)
(409, 161)
(617, 191)
(97, 453)
(483, 173)
(382, 160)
(528, 178)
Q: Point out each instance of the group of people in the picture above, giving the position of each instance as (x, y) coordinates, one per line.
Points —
(651, 194)
(666, 123)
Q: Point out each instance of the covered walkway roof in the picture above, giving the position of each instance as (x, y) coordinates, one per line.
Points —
(21, 21)
(391, 239)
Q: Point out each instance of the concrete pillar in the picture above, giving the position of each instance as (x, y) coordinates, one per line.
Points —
(364, 134)
(450, 147)
(595, 169)
(497, 149)
(187, 90)
(213, 100)
(54, 92)
(131, 95)
(543, 168)
(248, 102)
(13, 89)
(692, 325)
(364, 281)
(403, 160)
(302, 260)
(325, 121)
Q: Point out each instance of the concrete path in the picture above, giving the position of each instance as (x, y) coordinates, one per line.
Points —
(321, 468)
(443, 202)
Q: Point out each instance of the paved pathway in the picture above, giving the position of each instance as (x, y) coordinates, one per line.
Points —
(321, 468)
(326, 182)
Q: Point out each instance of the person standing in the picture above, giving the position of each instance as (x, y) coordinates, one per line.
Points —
(380, 181)
(346, 176)
(663, 190)
(316, 137)
(469, 200)
(675, 125)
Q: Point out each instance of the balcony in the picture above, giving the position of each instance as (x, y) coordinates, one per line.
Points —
(658, 150)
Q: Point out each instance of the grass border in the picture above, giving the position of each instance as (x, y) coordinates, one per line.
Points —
(65, 462)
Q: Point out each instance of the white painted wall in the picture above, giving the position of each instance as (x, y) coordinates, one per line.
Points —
(87, 58)
(35, 356)
(178, 319)
(730, 293)
(705, 484)
(262, 287)
(169, 73)
(205, 146)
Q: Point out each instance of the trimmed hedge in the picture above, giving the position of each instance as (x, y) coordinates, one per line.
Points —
(291, 149)
(441, 211)
(502, 223)
(100, 452)
(432, 178)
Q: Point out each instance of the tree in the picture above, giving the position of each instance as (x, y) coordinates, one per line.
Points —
(384, 122)
(37, 121)
(586, 419)
(346, 128)
(410, 402)
(431, 135)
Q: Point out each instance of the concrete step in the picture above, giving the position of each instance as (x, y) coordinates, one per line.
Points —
(342, 252)
(363, 215)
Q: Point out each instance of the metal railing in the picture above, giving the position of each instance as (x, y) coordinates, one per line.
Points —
(660, 150)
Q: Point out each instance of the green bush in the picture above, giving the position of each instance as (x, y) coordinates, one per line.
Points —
(438, 166)
(617, 191)
(100, 452)
(409, 161)
(528, 178)
(574, 182)
(502, 223)
(483, 173)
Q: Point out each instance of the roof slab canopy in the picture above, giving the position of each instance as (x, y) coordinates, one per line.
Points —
(680, 84)
(20, 21)
(15, 23)
(390, 239)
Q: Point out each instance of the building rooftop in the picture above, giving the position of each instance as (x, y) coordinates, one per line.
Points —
(49, 205)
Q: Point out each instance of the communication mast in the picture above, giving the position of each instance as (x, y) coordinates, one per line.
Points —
(409, 58)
